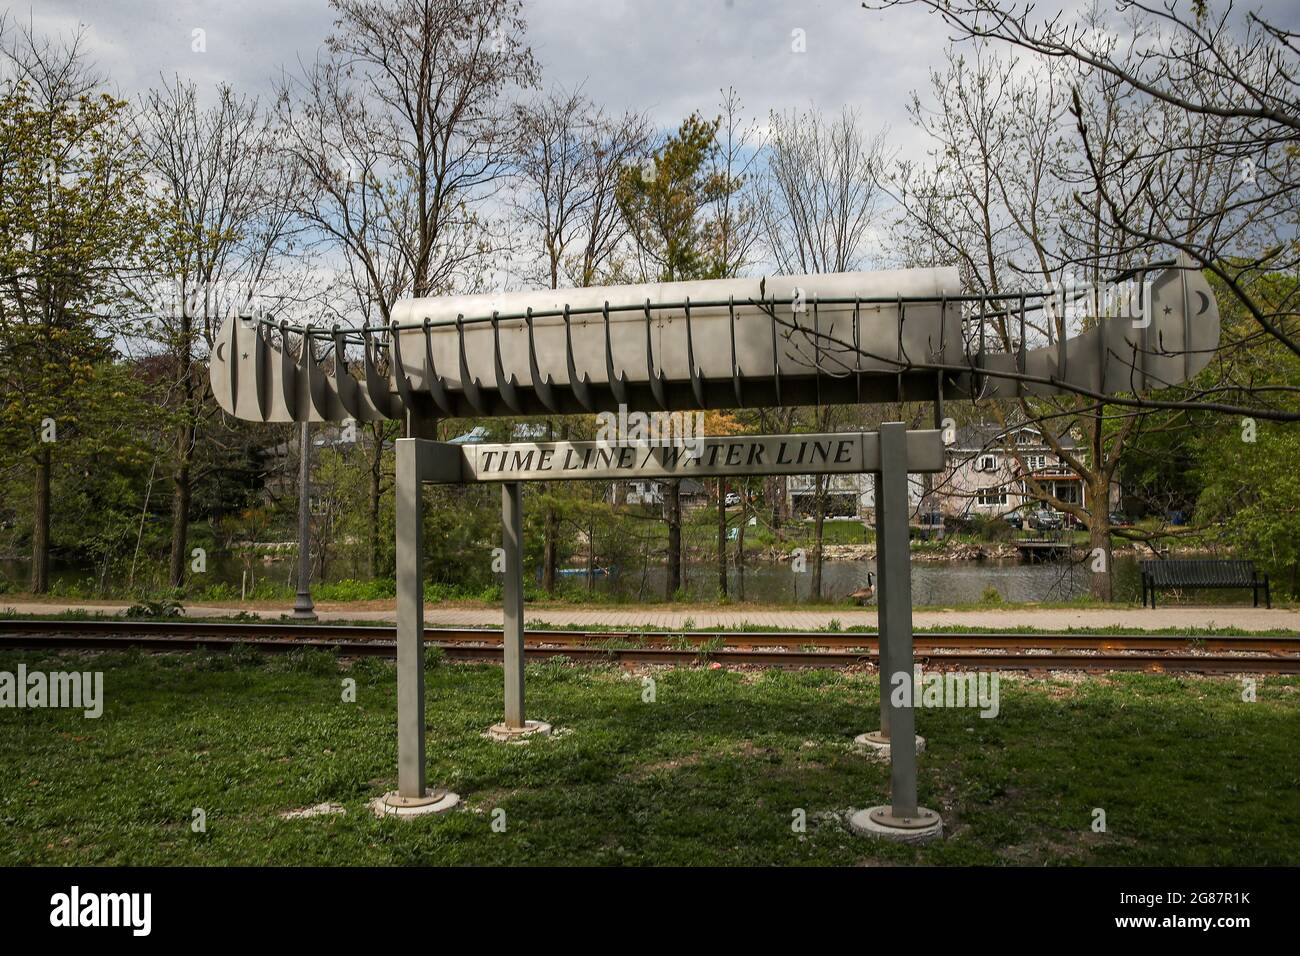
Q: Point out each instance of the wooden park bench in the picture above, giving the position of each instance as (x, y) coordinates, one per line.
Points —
(1202, 573)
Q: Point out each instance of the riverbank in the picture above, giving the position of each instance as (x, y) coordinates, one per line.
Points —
(677, 617)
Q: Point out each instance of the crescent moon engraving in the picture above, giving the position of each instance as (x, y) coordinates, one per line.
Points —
(220, 346)
(1205, 302)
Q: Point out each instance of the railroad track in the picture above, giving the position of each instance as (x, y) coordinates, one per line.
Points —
(1269, 654)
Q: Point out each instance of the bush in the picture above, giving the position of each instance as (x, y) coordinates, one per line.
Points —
(352, 590)
(162, 607)
(992, 528)
(217, 592)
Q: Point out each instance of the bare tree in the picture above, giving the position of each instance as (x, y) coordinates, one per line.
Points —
(1037, 181)
(823, 197)
(1214, 160)
(567, 155)
(226, 189)
(401, 132)
(821, 205)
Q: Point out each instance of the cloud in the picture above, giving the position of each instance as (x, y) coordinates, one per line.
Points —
(663, 57)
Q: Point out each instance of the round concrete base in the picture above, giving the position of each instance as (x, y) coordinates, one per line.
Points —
(531, 728)
(878, 746)
(879, 823)
(435, 800)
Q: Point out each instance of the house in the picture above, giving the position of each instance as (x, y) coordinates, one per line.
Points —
(847, 495)
(989, 470)
(652, 492)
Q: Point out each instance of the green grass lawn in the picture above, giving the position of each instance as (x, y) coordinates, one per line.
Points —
(711, 772)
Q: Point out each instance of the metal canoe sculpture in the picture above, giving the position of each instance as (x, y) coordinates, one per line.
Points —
(725, 343)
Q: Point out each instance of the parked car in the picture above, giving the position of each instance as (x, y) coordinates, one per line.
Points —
(732, 499)
(1118, 519)
(1045, 519)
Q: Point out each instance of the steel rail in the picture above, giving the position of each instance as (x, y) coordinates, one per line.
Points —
(612, 653)
(829, 640)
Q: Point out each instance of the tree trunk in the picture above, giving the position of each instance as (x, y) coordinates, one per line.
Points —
(740, 546)
(776, 499)
(1099, 558)
(548, 549)
(673, 507)
(549, 531)
(181, 495)
(40, 578)
(185, 432)
(722, 537)
(322, 556)
(376, 463)
(819, 518)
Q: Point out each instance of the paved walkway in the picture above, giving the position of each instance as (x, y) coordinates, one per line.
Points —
(677, 618)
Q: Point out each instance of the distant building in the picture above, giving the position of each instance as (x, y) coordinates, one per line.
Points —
(989, 472)
(651, 492)
(986, 472)
(848, 496)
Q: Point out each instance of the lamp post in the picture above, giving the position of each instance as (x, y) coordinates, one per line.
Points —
(303, 609)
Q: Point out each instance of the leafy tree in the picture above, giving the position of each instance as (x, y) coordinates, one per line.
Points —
(1252, 493)
(73, 220)
(672, 206)
(666, 203)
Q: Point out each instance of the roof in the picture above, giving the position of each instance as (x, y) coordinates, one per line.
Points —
(476, 436)
(977, 438)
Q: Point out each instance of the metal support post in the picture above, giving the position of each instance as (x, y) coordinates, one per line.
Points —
(902, 819)
(303, 609)
(515, 725)
(412, 797)
(513, 598)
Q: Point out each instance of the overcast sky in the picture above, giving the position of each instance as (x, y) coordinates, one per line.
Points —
(664, 57)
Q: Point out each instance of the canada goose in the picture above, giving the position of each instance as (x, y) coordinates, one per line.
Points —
(865, 594)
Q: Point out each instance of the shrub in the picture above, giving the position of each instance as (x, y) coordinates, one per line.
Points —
(352, 590)
(161, 607)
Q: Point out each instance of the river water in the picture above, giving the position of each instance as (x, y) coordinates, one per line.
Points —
(933, 582)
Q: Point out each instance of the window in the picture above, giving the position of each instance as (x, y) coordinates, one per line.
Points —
(1067, 491)
(991, 497)
(986, 463)
(1035, 462)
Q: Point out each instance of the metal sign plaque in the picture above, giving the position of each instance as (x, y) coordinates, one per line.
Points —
(829, 453)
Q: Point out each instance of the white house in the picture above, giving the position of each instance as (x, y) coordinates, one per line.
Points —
(988, 471)
(846, 495)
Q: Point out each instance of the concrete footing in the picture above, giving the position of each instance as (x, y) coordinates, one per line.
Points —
(531, 728)
(879, 823)
(878, 746)
(435, 800)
